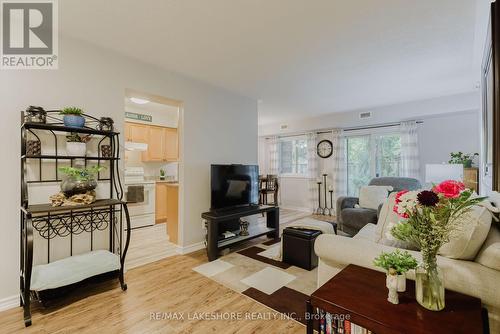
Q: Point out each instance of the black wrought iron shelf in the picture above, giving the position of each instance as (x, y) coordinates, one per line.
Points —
(48, 208)
(66, 157)
(61, 128)
(44, 222)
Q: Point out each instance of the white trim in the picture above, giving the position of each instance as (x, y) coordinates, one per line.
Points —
(9, 302)
(191, 248)
(296, 208)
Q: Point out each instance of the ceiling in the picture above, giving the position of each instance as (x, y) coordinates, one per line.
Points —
(299, 58)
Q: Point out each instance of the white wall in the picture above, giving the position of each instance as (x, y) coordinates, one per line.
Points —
(393, 113)
(438, 136)
(219, 127)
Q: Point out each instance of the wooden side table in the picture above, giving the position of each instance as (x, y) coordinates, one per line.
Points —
(359, 296)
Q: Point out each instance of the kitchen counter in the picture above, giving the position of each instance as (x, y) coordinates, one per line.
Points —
(168, 182)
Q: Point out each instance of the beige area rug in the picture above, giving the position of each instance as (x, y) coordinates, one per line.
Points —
(254, 270)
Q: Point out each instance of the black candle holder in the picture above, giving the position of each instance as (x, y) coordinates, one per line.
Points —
(330, 210)
(319, 210)
(325, 209)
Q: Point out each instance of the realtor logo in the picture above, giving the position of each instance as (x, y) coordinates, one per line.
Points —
(29, 34)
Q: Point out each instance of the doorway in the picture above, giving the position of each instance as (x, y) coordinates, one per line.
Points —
(152, 128)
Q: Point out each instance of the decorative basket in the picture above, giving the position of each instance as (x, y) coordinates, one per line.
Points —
(33, 147)
(106, 151)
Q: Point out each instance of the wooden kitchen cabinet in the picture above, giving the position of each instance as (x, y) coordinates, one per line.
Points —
(161, 202)
(163, 143)
(167, 208)
(171, 149)
(156, 145)
(137, 133)
(173, 212)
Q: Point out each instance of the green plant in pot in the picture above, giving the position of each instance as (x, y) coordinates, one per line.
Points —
(466, 159)
(73, 117)
(76, 145)
(79, 180)
(162, 174)
(397, 263)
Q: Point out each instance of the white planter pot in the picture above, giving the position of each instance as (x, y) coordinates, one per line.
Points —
(402, 283)
(76, 149)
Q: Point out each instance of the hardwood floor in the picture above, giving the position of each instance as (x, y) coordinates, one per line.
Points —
(168, 285)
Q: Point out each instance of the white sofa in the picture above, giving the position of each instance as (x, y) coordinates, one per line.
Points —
(468, 277)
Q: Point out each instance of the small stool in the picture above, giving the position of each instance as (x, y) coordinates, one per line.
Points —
(298, 247)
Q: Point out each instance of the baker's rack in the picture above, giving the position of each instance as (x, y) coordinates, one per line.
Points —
(69, 221)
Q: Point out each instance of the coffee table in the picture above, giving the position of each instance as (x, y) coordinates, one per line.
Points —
(359, 295)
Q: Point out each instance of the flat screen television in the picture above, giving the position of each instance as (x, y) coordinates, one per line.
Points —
(234, 186)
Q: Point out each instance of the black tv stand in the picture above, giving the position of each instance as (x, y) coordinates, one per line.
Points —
(216, 217)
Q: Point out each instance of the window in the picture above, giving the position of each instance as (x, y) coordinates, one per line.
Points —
(293, 156)
(370, 156)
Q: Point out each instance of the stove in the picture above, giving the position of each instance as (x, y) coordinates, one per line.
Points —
(141, 213)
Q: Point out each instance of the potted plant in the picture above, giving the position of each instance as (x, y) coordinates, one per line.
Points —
(429, 219)
(396, 263)
(79, 180)
(465, 159)
(73, 117)
(162, 174)
(76, 145)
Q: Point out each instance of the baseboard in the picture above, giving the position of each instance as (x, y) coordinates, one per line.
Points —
(191, 248)
(295, 208)
(9, 302)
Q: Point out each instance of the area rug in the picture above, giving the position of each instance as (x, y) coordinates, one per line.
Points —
(256, 272)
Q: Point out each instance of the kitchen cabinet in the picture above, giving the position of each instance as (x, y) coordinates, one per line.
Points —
(156, 144)
(167, 208)
(161, 202)
(173, 212)
(171, 150)
(163, 143)
(138, 133)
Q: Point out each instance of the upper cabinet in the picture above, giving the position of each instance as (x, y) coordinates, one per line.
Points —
(163, 143)
(171, 150)
(137, 133)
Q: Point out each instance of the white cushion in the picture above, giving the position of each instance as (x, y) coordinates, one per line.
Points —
(386, 220)
(467, 240)
(73, 269)
(367, 232)
(370, 197)
(489, 254)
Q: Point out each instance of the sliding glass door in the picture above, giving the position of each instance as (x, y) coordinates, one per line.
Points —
(369, 156)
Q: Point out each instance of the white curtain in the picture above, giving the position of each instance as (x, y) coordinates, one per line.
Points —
(312, 169)
(273, 162)
(339, 167)
(410, 165)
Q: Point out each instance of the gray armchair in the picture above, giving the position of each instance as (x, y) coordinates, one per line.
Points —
(351, 219)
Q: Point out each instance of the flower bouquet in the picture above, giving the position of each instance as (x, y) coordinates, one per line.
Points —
(430, 218)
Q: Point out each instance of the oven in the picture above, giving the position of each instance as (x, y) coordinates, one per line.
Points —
(142, 213)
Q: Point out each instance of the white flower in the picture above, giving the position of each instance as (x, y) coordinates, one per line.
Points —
(408, 202)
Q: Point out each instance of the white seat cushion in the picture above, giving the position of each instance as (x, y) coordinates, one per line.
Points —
(73, 269)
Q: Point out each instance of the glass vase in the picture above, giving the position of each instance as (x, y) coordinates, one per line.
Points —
(429, 286)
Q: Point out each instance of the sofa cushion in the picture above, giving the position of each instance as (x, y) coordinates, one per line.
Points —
(370, 197)
(467, 240)
(353, 219)
(386, 220)
(367, 232)
(489, 254)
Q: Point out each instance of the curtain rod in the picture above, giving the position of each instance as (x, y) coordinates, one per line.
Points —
(386, 125)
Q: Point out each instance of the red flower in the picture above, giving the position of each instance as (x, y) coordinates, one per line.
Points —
(449, 188)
